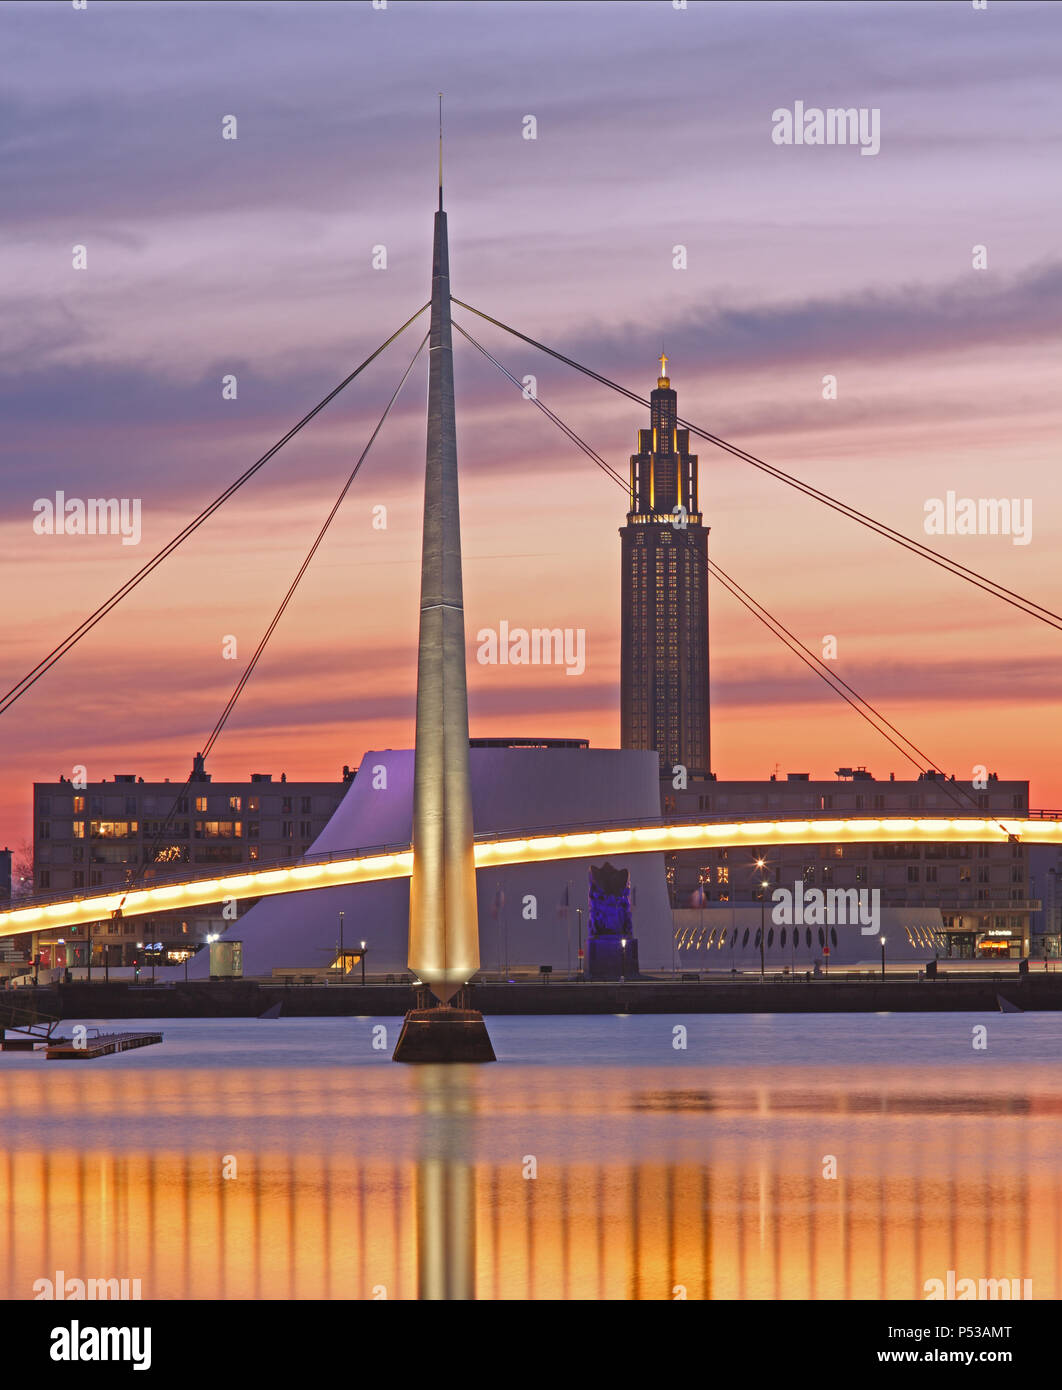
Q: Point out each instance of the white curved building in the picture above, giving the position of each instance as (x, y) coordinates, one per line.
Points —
(522, 919)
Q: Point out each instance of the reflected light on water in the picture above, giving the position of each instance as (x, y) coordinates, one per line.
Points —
(351, 1185)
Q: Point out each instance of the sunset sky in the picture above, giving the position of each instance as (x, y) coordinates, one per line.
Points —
(253, 257)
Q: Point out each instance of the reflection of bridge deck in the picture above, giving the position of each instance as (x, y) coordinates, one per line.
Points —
(533, 846)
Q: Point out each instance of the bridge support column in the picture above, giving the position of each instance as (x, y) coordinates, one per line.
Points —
(444, 1034)
(443, 911)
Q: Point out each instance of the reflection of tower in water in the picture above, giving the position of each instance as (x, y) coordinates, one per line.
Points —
(446, 1185)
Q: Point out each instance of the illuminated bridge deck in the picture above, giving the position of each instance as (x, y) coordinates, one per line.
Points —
(380, 863)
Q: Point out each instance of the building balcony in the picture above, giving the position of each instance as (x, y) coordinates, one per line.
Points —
(967, 909)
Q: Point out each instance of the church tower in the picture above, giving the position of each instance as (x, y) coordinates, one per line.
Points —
(664, 633)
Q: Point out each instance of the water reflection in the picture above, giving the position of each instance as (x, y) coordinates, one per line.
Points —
(446, 1185)
(530, 1183)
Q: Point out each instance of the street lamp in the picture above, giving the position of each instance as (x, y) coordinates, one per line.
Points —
(883, 958)
(342, 960)
(623, 957)
(363, 962)
(762, 864)
(700, 904)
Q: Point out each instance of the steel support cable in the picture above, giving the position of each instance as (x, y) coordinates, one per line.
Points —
(58, 652)
(742, 595)
(310, 554)
(980, 581)
(249, 671)
(864, 708)
(956, 790)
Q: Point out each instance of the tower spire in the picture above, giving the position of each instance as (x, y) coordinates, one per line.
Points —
(443, 910)
(443, 919)
(440, 151)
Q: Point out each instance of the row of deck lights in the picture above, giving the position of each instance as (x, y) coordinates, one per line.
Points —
(375, 867)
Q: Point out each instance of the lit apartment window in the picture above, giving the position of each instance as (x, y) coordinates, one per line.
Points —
(200, 803)
(253, 803)
(79, 805)
(114, 829)
(218, 829)
(235, 803)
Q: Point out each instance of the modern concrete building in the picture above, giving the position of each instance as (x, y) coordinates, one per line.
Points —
(977, 895)
(664, 602)
(108, 833)
(1045, 870)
